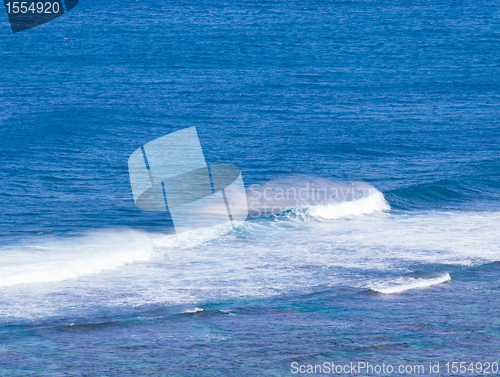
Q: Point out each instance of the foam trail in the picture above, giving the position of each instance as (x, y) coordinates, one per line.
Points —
(412, 284)
(257, 259)
(192, 238)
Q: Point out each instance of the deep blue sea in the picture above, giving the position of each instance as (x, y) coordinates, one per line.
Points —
(402, 97)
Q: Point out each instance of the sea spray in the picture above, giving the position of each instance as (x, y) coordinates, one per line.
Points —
(325, 198)
(58, 260)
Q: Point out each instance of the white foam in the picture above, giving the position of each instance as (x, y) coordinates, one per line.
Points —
(375, 202)
(192, 311)
(259, 258)
(58, 260)
(192, 238)
(412, 283)
(323, 198)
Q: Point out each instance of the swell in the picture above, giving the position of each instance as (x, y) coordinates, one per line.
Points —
(464, 193)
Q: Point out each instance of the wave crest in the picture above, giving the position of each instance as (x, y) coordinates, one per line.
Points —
(412, 283)
(359, 207)
(317, 196)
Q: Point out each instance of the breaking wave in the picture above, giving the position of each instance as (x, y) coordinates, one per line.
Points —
(318, 197)
(375, 202)
(58, 260)
(411, 283)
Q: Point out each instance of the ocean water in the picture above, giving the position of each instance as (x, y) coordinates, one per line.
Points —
(397, 96)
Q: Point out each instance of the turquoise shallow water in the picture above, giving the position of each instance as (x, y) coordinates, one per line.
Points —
(401, 96)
